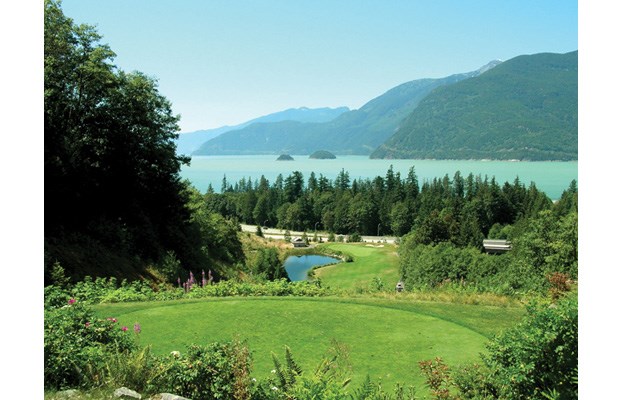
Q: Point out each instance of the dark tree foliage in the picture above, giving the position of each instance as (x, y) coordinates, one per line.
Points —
(268, 265)
(460, 210)
(542, 246)
(111, 169)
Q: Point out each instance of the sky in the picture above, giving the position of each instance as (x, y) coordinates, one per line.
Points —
(226, 62)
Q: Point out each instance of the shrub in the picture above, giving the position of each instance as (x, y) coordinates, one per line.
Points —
(170, 267)
(218, 370)
(560, 284)
(76, 345)
(438, 378)
(354, 238)
(327, 382)
(138, 370)
(539, 355)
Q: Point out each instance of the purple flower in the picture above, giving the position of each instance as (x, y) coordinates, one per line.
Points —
(124, 329)
(72, 301)
(112, 319)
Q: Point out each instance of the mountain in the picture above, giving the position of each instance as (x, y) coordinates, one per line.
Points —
(353, 132)
(523, 109)
(188, 142)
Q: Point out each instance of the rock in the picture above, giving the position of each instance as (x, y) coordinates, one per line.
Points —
(125, 393)
(68, 394)
(168, 396)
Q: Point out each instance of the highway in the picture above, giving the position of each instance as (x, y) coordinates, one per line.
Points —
(279, 234)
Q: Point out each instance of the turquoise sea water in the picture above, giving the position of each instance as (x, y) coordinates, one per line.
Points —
(552, 177)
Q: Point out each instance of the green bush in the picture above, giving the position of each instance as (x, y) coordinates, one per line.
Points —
(354, 238)
(328, 381)
(216, 371)
(139, 370)
(77, 344)
(537, 359)
(539, 355)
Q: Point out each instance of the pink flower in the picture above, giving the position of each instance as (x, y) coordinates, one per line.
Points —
(87, 324)
(124, 328)
(72, 300)
(136, 328)
(112, 319)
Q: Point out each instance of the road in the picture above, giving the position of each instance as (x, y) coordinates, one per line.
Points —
(279, 234)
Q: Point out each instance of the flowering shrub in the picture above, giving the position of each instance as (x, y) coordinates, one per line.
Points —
(77, 343)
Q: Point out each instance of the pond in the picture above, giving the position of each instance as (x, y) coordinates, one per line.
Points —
(297, 267)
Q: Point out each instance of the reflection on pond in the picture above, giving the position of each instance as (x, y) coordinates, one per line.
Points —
(297, 267)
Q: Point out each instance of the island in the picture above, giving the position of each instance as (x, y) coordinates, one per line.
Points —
(285, 157)
(322, 155)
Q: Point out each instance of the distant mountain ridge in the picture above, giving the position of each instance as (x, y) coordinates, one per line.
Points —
(354, 132)
(189, 142)
(524, 109)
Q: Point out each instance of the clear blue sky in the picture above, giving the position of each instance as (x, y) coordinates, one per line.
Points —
(224, 62)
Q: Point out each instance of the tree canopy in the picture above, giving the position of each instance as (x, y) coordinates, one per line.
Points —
(111, 168)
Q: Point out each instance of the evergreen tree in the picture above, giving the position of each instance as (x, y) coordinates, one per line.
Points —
(111, 168)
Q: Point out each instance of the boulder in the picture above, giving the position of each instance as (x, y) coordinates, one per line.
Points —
(168, 396)
(124, 393)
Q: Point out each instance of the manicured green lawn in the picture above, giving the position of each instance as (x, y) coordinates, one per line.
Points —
(385, 338)
(369, 261)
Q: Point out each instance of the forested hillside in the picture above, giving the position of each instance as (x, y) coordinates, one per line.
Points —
(524, 109)
(114, 201)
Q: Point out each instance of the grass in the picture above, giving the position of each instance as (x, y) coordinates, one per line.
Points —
(386, 333)
(369, 261)
(386, 338)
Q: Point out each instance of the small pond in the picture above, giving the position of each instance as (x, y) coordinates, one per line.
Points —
(297, 267)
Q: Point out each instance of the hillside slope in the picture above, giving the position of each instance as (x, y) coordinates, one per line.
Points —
(524, 109)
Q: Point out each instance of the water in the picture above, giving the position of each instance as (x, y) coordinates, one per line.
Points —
(297, 267)
(552, 177)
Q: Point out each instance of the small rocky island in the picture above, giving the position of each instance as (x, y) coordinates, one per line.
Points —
(322, 155)
(285, 157)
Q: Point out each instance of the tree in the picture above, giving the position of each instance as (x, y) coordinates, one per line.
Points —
(294, 186)
(401, 219)
(549, 244)
(342, 181)
(111, 168)
(268, 264)
(261, 210)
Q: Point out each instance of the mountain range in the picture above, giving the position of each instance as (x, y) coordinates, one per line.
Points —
(354, 132)
(524, 108)
(189, 142)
